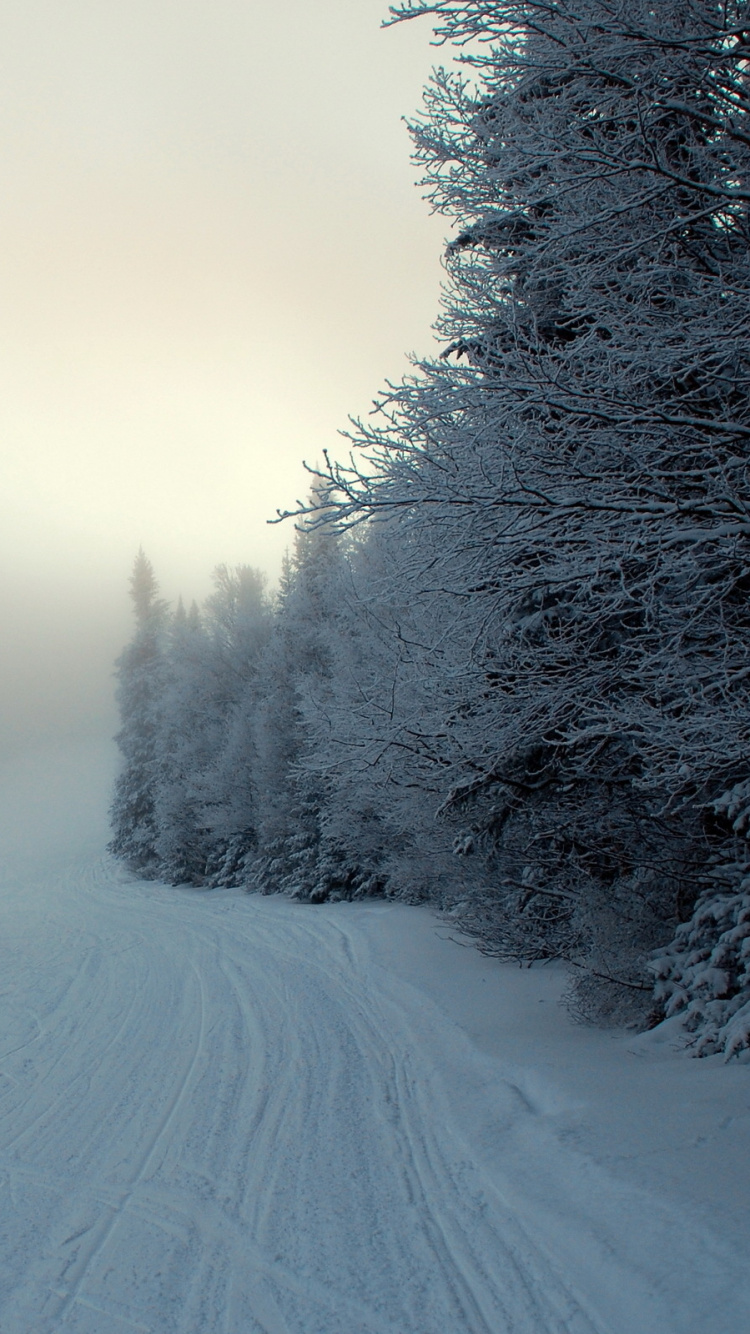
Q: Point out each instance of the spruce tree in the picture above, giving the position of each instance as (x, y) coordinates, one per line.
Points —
(296, 680)
(182, 749)
(140, 691)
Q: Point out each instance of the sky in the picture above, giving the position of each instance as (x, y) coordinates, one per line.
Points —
(212, 252)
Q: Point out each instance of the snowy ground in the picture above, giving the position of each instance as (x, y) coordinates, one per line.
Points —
(222, 1114)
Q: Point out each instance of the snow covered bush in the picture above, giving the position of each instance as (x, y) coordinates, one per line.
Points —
(704, 976)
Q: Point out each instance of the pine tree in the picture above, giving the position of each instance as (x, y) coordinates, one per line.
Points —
(239, 619)
(295, 683)
(204, 804)
(140, 691)
(182, 748)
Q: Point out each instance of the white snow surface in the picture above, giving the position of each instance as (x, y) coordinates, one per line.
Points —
(227, 1114)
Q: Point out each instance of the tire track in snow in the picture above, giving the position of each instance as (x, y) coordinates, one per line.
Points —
(442, 1192)
(102, 1233)
(305, 1175)
(477, 1295)
(61, 1100)
(264, 1129)
(506, 1266)
(280, 1121)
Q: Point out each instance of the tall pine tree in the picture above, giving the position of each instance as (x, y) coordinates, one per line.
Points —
(140, 691)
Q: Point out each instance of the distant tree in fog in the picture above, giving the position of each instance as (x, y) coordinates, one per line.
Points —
(140, 690)
(220, 704)
(183, 748)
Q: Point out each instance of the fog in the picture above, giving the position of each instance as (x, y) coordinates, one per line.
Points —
(212, 252)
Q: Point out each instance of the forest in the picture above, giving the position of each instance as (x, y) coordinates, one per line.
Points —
(507, 669)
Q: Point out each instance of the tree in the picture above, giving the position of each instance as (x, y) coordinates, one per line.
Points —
(140, 688)
(240, 620)
(296, 680)
(382, 747)
(185, 745)
(204, 803)
(574, 467)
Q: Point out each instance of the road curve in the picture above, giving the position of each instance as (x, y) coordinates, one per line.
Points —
(218, 1116)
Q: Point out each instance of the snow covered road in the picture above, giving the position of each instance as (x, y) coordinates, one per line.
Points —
(222, 1115)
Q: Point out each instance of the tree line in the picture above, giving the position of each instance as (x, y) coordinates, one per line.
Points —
(507, 671)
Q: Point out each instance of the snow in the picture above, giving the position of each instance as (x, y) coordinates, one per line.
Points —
(222, 1114)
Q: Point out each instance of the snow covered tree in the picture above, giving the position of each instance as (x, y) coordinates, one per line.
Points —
(140, 691)
(576, 462)
(296, 680)
(382, 747)
(240, 620)
(204, 805)
(703, 977)
(185, 746)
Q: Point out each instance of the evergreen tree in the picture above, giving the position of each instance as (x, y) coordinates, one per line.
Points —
(184, 748)
(239, 618)
(294, 691)
(140, 691)
(204, 805)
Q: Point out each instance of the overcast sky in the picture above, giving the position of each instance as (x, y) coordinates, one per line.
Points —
(212, 251)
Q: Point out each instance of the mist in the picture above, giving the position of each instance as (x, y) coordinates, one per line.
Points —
(213, 252)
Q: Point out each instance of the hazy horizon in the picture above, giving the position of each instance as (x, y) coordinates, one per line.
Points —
(213, 253)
